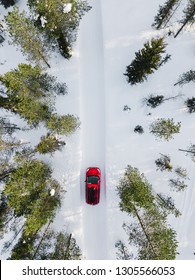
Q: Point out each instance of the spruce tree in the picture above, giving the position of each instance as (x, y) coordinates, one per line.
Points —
(149, 232)
(63, 125)
(49, 144)
(165, 128)
(59, 21)
(30, 92)
(123, 252)
(146, 61)
(165, 12)
(189, 16)
(25, 35)
(186, 77)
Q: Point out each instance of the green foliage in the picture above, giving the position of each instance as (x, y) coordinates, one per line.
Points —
(154, 239)
(63, 125)
(46, 246)
(8, 3)
(154, 101)
(164, 163)
(165, 128)
(167, 203)
(30, 92)
(32, 199)
(62, 18)
(146, 61)
(24, 34)
(122, 253)
(49, 144)
(164, 13)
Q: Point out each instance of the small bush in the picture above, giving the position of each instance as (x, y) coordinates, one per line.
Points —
(139, 129)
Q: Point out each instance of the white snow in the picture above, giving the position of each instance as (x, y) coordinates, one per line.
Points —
(52, 192)
(67, 8)
(109, 36)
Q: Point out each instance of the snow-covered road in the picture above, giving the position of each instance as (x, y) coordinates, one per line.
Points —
(91, 52)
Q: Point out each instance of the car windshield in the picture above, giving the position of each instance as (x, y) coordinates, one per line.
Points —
(92, 180)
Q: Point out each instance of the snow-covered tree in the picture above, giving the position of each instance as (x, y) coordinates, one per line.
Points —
(63, 125)
(186, 77)
(49, 144)
(190, 151)
(189, 16)
(122, 251)
(165, 128)
(165, 13)
(164, 163)
(25, 35)
(146, 61)
(59, 21)
(177, 184)
(30, 92)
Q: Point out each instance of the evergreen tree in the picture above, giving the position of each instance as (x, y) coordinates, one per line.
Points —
(63, 125)
(149, 233)
(2, 39)
(49, 144)
(189, 16)
(146, 61)
(32, 200)
(59, 21)
(164, 163)
(190, 151)
(165, 12)
(24, 34)
(8, 3)
(154, 101)
(190, 103)
(30, 92)
(123, 252)
(167, 203)
(181, 172)
(186, 77)
(177, 184)
(164, 128)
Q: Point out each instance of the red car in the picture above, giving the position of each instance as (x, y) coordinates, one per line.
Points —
(93, 179)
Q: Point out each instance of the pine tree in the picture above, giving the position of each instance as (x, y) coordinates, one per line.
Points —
(165, 13)
(123, 253)
(59, 21)
(49, 144)
(8, 3)
(146, 61)
(177, 184)
(186, 77)
(32, 200)
(150, 233)
(190, 103)
(189, 16)
(165, 128)
(154, 101)
(167, 203)
(164, 163)
(30, 92)
(24, 34)
(63, 125)
(190, 151)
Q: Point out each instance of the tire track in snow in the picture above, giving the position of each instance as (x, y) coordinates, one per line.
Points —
(93, 128)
